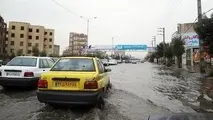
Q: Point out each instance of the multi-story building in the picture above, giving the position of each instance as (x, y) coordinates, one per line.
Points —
(66, 52)
(3, 29)
(56, 50)
(23, 36)
(77, 42)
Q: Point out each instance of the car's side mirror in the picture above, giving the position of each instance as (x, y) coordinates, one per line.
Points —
(108, 70)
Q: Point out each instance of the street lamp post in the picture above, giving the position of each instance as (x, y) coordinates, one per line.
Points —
(88, 21)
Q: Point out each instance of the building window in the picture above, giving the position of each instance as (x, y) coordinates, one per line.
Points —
(51, 33)
(12, 43)
(29, 51)
(30, 30)
(11, 50)
(36, 44)
(22, 27)
(13, 27)
(45, 39)
(37, 37)
(21, 35)
(45, 46)
(29, 44)
(50, 46)
(50, 39)
(7, 32)
(45, 33)
(29, 37)
(21, 43)
(6, 39)
(13, 35)
(37, 30)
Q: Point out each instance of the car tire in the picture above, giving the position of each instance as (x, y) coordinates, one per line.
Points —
(101, 102)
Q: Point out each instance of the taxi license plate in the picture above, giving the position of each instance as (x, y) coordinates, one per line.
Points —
(12, 74)
(65, 84)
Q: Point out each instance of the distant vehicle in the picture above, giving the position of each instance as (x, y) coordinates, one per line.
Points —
(74, 81)
(127, 61)
(112, 62)
(24, 71)
(119, 61)
(134, 61)
(105, 62)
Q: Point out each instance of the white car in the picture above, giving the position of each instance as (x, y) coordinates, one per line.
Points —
(112, 62)
(24, 71)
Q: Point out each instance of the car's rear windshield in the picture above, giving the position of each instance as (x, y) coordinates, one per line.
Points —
(19, 61)
(74, 64)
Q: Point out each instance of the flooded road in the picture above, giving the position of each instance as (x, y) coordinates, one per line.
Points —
(138, 91)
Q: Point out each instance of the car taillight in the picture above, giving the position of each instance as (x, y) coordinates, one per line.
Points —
(42, 84)
(28, 74)
(91, 85)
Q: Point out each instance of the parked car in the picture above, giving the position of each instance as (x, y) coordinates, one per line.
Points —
(112, 62)
(74, 81)
(105, 62)
(134, 61)
(119, 61)
(24, 71)
(127, 61)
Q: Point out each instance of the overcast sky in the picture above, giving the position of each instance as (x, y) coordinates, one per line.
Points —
(129, 21)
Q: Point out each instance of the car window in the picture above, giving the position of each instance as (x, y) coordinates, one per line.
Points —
(50, 62)
(46, 65)
(20, 61)
(74, 64)
(101, 69)
(41, 64)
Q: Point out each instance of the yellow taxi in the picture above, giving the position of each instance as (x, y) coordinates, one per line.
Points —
(74, 80)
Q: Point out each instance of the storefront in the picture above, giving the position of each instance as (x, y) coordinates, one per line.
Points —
(191, 55)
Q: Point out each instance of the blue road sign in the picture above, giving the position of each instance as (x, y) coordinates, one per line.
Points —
(131, 47)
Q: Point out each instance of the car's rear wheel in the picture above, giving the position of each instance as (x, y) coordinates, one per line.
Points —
(100, 102)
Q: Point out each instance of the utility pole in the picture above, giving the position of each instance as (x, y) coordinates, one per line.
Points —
(154, 40)
(112, 45)
(162, 32)
(201, 48)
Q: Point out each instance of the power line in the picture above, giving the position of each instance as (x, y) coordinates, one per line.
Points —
(196, 20)
(75, 14)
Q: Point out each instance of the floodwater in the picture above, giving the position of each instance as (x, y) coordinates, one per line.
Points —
(139, 90)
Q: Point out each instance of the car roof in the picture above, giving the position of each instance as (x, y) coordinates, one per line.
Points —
(81, 57)
(31, 57)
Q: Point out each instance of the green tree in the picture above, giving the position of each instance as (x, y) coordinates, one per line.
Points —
(204, 29)
(19, 52)
(43, 53)
(178, 49)
(168, 53)
(35, 50)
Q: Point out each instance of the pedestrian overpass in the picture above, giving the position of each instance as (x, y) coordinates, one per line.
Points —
(127, 48)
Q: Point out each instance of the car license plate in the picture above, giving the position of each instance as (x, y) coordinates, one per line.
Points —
(65, 84)
(12, 74)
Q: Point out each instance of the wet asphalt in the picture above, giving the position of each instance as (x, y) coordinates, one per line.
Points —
(138, 90)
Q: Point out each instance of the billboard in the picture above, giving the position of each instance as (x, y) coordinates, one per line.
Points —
(191, 39)
(131, 47)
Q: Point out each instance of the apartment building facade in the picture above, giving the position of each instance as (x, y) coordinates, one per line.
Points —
(23, 36)
(56, 50)
(77, 41)
(3, 30)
